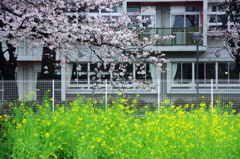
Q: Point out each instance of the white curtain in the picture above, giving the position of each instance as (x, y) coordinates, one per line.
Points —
(174, 69)
(69, 68)
(153, 73)
(172, 20)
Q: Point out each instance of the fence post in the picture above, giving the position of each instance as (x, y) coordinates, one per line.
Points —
(2, 90)
(159, 95)
(212, 92)
(106, 103)
(53, 95)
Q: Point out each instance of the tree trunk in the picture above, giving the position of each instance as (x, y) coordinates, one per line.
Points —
(47, 72)
(7, 69)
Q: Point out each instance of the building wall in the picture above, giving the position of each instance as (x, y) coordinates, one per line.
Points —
(210, 50)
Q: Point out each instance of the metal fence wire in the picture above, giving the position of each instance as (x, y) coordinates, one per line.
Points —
(178, 92)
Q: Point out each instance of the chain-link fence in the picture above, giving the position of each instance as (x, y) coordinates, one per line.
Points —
(178, 92)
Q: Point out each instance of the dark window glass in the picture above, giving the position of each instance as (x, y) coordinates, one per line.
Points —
(133, 8)
(192, 20)
(134, 20)
(200, 71)
(178, 21)
(148, 22)
(214, 8)
(147, 71)
(218, 8)
(210, 70)
(184, 71)
(192, 8)
(79, 71)
(233, 72)
(187, 71)
(223, 71)
(104, 71)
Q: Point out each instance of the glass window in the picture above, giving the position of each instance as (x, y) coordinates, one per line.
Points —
(148, 23)
(233, 72)
(216, 14)
(201, 71)
(124, 71)
(133, 8)
(185, 21)
(192, 8)
(223, 71)
(148, 20)
(99, 71)
(115, 9)
(216, 8)
(210, 70)
(143, 69)
(192, 20)
(182, 71)
(79, 71)
(178, 21)
(207, 71)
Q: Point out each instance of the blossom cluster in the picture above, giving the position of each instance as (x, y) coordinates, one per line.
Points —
(68, 26)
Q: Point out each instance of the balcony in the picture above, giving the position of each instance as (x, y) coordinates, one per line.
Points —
(183, 36)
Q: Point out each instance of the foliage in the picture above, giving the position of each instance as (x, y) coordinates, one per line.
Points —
(84, 130)
(231, 34)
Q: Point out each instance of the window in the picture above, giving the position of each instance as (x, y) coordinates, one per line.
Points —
(182, 71)
(148, 14)
(147, 68)
(185, 16)
(227, 71)
(217, 18)
(187, 71)
(192, 8)
(98, 71)
(88, 71)
(76, 17)
(79, 71)
(185, 20)
(133, 8)
(115, 9)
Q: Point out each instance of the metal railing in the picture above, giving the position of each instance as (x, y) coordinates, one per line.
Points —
(183, 36)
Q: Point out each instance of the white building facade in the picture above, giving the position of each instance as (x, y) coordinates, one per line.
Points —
(181, 18)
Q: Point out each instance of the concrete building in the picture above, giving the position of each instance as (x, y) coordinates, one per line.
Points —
(181, 18)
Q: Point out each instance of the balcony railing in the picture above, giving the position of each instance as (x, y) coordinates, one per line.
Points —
(183, 36)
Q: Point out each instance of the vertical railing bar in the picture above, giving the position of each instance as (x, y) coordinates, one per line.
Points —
(212, 92)
(53, 96)
(158, 95)
(106, 103)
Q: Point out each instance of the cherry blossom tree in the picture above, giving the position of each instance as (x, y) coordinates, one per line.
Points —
(231, 35)
(61, 25)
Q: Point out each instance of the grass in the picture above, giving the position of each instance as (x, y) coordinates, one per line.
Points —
(87, 130)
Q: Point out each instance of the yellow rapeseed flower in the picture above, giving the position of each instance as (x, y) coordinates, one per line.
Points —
(19, 126)
(119, 94)
(134, 101)
(47, 134)
(202, 104)
(24, 121)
